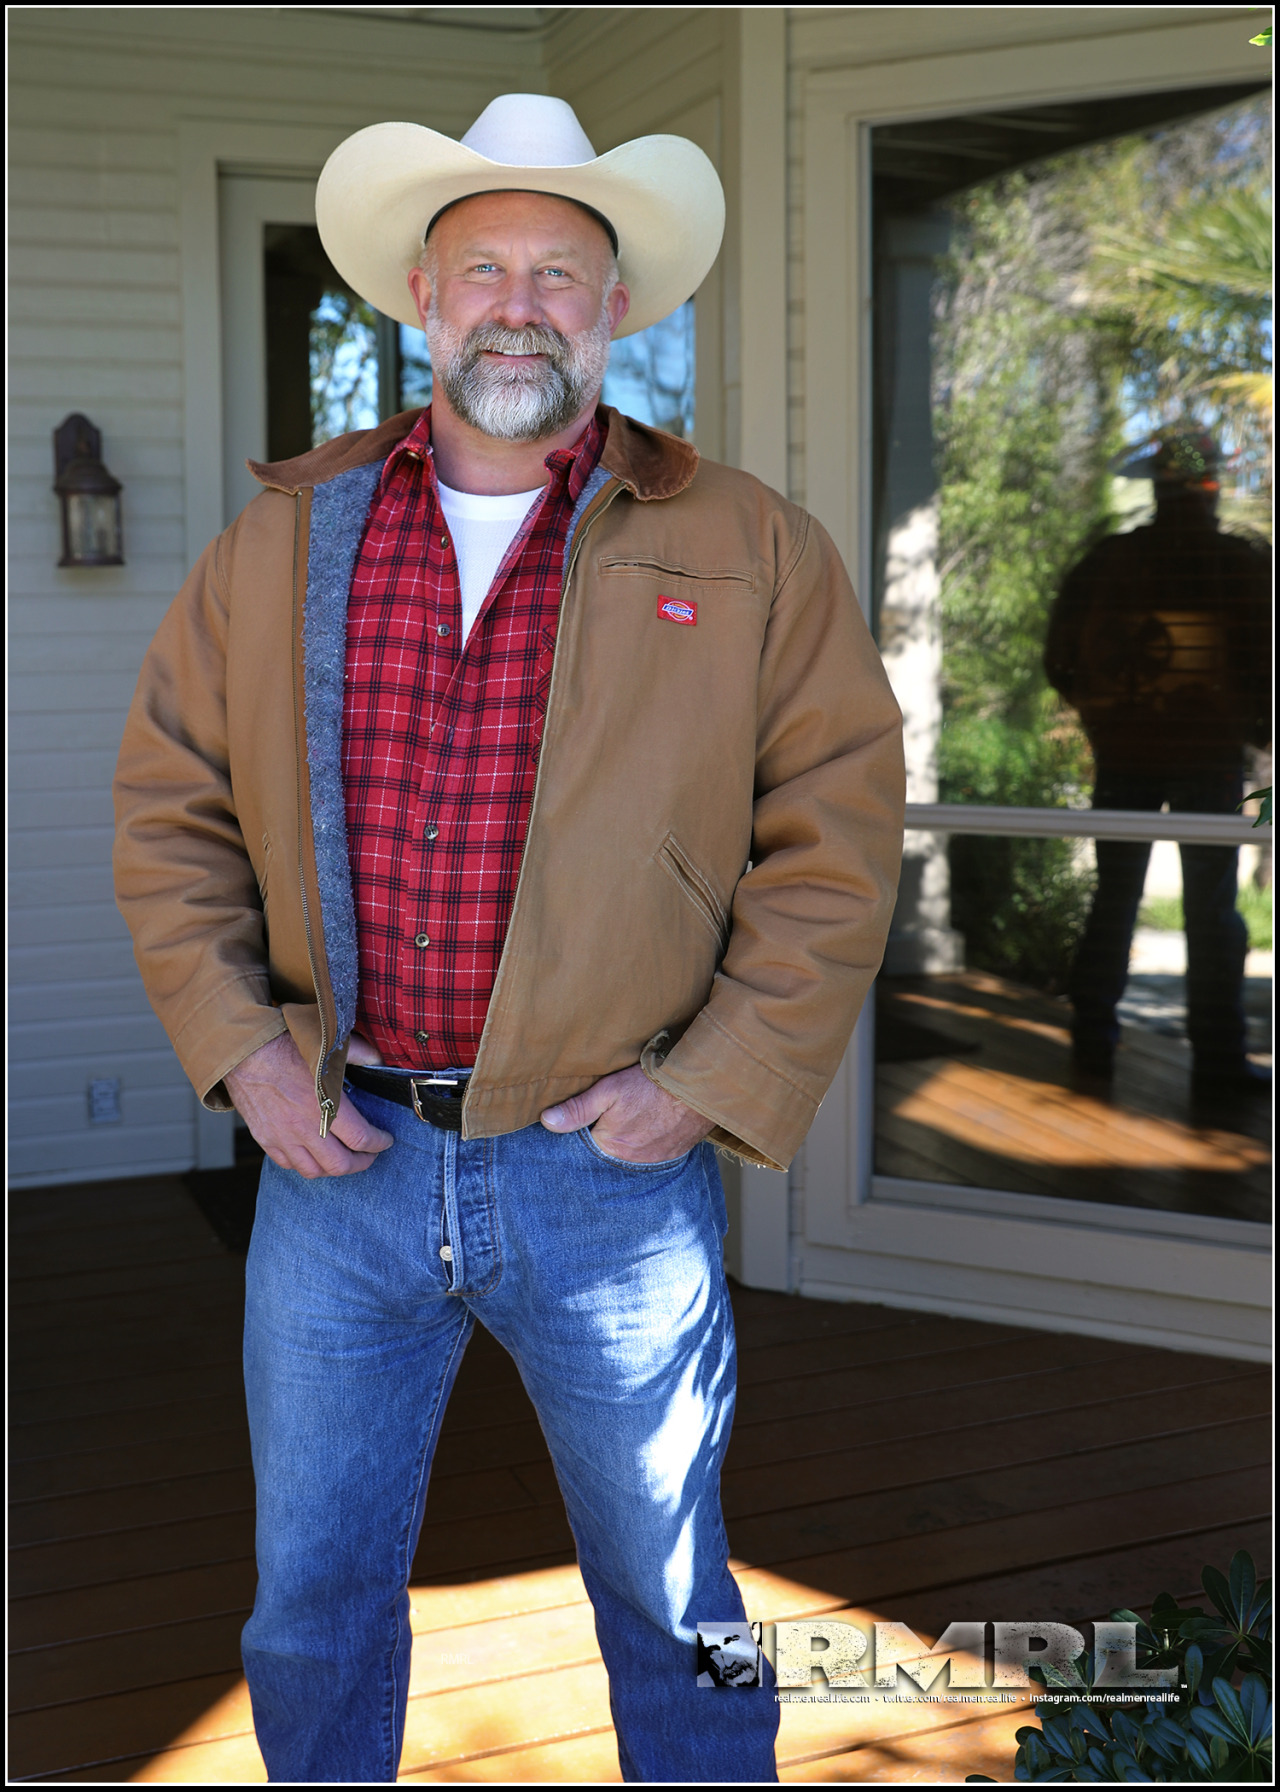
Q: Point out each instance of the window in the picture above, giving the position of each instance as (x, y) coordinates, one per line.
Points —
(1070, 301)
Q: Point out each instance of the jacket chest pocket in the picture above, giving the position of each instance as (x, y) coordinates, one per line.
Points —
(733, 581)
(687, 615)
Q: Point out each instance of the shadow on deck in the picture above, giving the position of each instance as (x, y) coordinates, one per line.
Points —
(896, 1465)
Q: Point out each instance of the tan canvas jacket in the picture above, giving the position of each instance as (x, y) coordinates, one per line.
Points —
(713, 847)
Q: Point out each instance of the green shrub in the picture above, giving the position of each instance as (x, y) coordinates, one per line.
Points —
(1165, 912)
(1020, 904)
(1255, 905)
(1214, 1732)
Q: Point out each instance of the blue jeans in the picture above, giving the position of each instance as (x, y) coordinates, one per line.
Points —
(1217, 939)
(605, 1282)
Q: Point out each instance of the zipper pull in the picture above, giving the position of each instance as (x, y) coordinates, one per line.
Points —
(327, 1110)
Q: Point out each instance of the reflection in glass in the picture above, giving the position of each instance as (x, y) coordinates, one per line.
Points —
(415, 369)
(651, 374)
(1160, 640)
(343, 347)
(975, 1086)
(1070, 348)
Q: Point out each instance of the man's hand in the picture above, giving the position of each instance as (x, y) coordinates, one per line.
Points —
(275, 1095)
(634, 1119)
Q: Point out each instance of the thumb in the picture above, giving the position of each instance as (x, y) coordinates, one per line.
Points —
(578, 1110)
(357, 1133)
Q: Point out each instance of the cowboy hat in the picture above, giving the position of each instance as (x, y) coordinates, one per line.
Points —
(381, 189)
(1178, 458)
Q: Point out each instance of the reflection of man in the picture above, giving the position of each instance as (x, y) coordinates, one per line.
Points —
(1161, 639)
(444, 772)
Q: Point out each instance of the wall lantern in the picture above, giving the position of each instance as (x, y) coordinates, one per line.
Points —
(91, 532)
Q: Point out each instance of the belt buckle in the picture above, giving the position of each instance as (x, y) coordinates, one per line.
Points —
(426, 1082)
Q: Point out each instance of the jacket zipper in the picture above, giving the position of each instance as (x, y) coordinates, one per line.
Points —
(327, 1107)
(587, 523)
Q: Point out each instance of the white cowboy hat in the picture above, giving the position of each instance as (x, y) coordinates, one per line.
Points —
(381, 189)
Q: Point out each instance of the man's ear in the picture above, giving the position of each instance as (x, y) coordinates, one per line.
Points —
(619, 305)
(420, 286)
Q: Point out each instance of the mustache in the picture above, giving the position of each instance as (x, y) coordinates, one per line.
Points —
(533, 339)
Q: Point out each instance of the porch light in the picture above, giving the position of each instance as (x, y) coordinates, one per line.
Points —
(90, 497)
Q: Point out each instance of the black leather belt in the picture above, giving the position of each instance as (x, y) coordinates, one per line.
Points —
(434, 1098)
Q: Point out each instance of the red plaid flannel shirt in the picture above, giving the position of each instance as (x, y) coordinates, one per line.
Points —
(440, 750)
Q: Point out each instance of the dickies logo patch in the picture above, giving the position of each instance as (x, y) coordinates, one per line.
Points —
(675, 609)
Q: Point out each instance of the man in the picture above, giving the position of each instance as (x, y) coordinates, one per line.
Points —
(1161, 638)
(510, 812)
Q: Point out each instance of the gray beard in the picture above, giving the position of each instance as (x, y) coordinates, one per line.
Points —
(524, 404)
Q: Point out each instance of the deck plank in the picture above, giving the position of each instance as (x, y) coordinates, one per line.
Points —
(1005, 1443)
(893, 1567)
(44, 1620)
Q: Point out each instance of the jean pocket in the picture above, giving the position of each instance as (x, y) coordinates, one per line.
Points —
(623, 1163)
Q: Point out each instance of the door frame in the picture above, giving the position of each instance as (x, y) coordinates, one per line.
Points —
(1181, 1281)
(247, 202)
(206, 150)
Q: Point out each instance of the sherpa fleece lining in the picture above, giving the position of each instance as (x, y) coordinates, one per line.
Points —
(339, 510)
(595, 481)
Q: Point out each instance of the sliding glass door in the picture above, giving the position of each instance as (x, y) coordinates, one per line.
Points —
(1055, 1113)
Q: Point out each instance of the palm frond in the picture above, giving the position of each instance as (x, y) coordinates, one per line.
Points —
(1211, 262)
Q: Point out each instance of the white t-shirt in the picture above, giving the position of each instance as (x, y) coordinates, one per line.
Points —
(482, 529)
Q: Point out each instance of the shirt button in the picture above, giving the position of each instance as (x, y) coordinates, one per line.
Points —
(412, 454)
(444, 541)
(431, 830)
(446, 1251)
(422, 1038)
(421, 939)
(444, 629)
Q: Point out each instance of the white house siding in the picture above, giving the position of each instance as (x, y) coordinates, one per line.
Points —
(96, 99)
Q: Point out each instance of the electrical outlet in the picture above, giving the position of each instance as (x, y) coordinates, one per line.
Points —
(104, 1101)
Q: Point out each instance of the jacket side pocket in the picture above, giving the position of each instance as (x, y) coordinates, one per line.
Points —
(265, 879)
(695, 888)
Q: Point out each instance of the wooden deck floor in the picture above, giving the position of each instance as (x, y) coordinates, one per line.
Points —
(895, 1465)
(976, 1087)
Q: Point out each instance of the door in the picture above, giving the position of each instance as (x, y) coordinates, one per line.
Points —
(248, 206)
(960, 1163)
